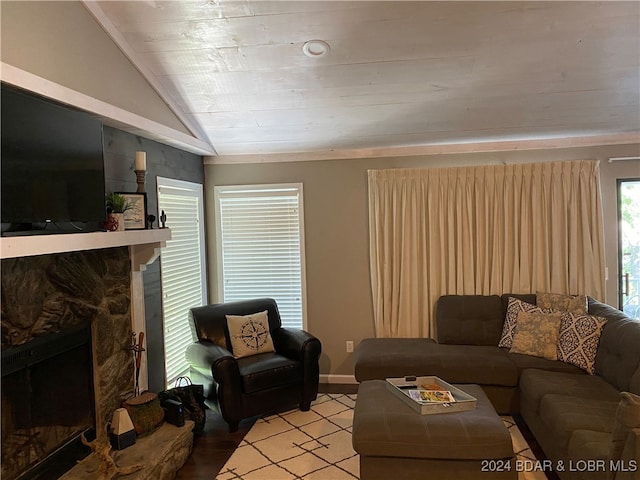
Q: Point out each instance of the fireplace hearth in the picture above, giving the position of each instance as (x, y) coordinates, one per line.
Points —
(66, 329)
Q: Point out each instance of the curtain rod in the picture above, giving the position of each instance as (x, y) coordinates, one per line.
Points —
(617, 159)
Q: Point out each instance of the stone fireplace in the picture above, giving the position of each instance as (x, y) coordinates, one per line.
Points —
(69, 306)
(66, 363)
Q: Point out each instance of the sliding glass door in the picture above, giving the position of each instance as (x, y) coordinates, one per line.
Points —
(629, 246)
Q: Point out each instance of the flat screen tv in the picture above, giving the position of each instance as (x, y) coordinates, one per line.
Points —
(52, 166)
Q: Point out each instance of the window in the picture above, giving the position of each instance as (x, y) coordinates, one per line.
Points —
(629, 246)
(183, 274)
(261, 246)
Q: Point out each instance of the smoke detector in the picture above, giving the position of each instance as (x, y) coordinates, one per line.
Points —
(315, 48)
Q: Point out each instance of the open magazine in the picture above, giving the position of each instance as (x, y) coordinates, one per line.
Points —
(431, 396)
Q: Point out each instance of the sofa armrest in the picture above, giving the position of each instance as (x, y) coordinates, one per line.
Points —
(304, 347)
(296, 344)
(211, 357)
(629, 467)
(224, 369)
(202, 355)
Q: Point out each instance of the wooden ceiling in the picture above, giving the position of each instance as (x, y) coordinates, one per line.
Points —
(397, 74)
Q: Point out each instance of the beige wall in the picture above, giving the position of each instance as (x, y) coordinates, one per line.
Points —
(61, 42)
(339, 305)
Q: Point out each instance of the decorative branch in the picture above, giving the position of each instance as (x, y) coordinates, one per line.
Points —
(108, 468)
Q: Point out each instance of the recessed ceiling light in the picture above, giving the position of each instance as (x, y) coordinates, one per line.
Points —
(315, 48)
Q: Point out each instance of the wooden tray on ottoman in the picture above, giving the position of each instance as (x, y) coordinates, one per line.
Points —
(402, 386)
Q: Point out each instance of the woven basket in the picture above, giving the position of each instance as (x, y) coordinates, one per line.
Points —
(145, 412)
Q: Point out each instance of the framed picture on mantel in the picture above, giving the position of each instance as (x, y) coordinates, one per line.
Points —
(136, 217)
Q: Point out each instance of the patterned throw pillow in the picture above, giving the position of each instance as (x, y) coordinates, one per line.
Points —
(514, 307)
(537, 334)
(559, 301)
(249, 334)
(579, 338)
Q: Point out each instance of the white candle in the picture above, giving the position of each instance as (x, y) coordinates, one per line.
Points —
(141, 161)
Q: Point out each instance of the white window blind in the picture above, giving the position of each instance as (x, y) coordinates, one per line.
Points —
(182, 269)
(261, 247)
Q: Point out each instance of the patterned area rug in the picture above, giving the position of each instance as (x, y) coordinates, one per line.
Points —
(316, 445)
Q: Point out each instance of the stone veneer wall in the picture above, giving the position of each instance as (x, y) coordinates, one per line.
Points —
(48, 293)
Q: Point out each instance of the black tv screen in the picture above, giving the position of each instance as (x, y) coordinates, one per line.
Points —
(52, 165)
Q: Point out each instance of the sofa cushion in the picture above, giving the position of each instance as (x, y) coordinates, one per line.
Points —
(536, 384)
(587, 445)
(524, 362)
(537, 334)
(558, 301)
(514, 308)
(529, 298)
(479, 364)
(380, 358)
(579, 338)
(469, 319)
(564, 414)
(268, 370)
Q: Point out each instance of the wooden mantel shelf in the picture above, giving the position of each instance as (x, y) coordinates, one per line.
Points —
(144, 244)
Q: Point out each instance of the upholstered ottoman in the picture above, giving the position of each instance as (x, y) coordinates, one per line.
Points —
(394, 441)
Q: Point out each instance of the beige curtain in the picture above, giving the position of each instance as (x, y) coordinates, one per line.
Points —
(480, 230)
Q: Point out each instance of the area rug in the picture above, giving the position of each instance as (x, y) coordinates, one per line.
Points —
(316, 445)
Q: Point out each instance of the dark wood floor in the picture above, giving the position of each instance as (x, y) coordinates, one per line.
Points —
(213, 447)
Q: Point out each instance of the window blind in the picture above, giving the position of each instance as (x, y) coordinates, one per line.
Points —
(182, 271)
(260, 246)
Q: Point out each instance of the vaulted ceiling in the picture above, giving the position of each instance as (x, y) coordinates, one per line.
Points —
(396, 74)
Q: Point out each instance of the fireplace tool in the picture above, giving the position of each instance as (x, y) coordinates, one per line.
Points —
(137, 351)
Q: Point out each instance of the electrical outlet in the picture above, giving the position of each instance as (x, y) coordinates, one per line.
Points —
(349, 346)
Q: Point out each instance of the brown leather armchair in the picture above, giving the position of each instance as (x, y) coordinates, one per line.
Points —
(267, 382)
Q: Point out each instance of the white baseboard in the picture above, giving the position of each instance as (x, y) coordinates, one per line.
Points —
(341, 379)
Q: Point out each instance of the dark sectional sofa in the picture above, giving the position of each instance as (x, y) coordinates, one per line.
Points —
(572, 414)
